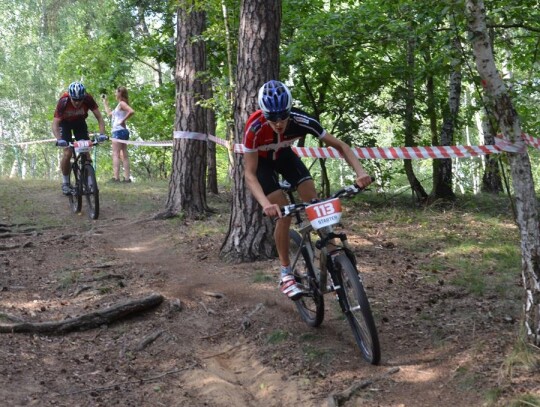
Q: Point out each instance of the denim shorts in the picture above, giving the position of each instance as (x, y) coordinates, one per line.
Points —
(121, 134)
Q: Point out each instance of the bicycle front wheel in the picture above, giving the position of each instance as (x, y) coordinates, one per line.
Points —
(75, 198)
(311, 305)
(356, 307)
(90, 191)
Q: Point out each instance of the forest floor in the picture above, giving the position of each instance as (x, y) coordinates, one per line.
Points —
(224, 335)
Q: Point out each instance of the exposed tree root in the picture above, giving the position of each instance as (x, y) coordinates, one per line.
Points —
(339, 398)
(86, 321)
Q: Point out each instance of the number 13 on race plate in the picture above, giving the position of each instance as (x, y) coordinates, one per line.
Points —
(326, 213)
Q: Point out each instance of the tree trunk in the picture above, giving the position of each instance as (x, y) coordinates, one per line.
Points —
(491, 180)
(211, 181)
(250, 235)
(410, 127)
(432, 113)
(520, 166)
(442, 186)
(229, 116)
(187, 185)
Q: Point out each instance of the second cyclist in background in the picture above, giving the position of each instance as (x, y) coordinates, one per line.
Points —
(268, 136)
(120, 114)
(70, 122)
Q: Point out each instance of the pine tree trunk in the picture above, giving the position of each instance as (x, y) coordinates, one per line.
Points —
(522, 180)
(250, 236)
(187, 185)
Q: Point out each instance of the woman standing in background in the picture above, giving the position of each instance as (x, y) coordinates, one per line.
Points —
(120, 114)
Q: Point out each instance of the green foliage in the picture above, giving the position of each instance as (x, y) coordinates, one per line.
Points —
(346, 62)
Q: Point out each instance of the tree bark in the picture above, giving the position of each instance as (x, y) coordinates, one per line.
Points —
(520, 166)
(410, 127)
(442, 186)
(211, 181)
(432, 112)
(187, 185)
(491, 180)
(250, 236)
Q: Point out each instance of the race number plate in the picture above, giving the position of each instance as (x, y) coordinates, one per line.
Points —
(325, 213)
(82, 146)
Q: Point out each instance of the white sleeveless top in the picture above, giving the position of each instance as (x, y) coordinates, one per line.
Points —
(118, 115)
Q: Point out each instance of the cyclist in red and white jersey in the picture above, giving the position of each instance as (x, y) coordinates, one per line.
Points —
(70, 122)
(268, 136)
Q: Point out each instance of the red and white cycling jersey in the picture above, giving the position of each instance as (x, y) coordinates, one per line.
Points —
(66, 111)
(259, 136)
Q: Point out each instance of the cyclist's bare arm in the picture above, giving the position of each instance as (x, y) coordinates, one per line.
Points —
(363, 179)
(56, 128)
(251, 161)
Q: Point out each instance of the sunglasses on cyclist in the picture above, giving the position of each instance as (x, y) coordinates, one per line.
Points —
(276, 117)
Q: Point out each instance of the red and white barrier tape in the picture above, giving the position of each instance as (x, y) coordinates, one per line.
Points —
(386, 153)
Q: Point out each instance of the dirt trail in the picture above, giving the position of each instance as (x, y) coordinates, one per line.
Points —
(220, 338)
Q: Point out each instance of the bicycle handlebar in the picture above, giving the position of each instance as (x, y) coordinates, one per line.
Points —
(95, 138)
(345, 192)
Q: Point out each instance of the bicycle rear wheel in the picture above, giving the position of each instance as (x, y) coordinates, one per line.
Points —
(311, 305)
(90, 191)
(356, 307)
(75, 198)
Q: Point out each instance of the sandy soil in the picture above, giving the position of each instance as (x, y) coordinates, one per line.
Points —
(224, 335)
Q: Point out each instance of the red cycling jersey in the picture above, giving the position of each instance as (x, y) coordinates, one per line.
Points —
(259, 136)
(65, 110)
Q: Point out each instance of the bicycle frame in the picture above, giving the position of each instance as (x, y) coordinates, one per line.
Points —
(327, 237)
(335, 258)
(84, 175)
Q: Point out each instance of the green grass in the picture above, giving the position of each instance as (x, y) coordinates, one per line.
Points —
(473, 239)
(262, 277)
(526, 400)
(522, 357)
(315, 353)
(28, 201)
(277, 336)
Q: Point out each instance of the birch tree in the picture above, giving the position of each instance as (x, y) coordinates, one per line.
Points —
(525, 198)
(442, 180)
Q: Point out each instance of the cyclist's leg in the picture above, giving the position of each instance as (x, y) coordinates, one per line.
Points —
(65, 131)
(268, 178)
(281, 231)
(306, 190)
(296, 173)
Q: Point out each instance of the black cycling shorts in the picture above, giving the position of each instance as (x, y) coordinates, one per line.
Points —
(77, 129)
(288, 165)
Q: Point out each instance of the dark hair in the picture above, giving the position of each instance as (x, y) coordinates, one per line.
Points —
(123, 93)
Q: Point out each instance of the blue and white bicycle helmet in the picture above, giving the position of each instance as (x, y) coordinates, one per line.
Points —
(76, 91)
(275, 100)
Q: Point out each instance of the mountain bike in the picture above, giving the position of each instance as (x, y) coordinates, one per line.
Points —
(336, 271)
(84, 176)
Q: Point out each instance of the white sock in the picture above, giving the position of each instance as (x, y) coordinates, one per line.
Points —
(65, 179)
(285, 270)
